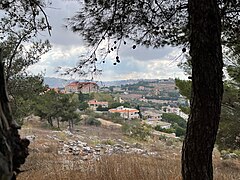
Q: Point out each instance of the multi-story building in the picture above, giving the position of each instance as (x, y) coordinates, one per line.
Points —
(84, 87)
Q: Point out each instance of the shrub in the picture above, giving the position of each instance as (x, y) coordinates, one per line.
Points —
(92, 121)
(137, 130)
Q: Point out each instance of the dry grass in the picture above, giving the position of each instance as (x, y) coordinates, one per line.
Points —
(115, 167)
(44, 163)
(45, 166)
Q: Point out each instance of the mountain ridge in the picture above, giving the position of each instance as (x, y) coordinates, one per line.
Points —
(53, 82)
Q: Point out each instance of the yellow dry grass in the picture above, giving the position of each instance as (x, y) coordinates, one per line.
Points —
(45, 166)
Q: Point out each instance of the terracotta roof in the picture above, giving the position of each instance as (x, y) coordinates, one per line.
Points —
(123, 110)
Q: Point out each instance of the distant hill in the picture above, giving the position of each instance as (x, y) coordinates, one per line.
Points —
(56, 82)
(59, 82)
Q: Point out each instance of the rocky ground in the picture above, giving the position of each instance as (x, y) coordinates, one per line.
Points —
(58, 151)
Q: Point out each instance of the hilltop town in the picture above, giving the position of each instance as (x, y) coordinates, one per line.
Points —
(146, 100)
(133, 127)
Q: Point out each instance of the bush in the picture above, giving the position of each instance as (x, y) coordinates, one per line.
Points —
(173, 118)
(137, 130)
(92, 122)
(175, 128)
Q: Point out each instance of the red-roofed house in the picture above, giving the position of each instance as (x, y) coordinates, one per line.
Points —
(84, 87)
(94, 104)
(127, 113)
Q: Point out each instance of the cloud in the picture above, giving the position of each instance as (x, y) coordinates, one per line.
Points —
(136, 63)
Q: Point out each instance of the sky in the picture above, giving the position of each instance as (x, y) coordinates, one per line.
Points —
(67, 47)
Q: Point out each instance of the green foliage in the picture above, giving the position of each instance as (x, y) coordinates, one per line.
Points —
(134, 87)
(175, 128)
(103, 97)
(115, 117)
(100, 108)
(173, 118)
(137, 130)
(84, 97)
(92, 121)
(228, 135)
(82, 106)
(21, 21)
(52, 105)
(185, 109)
(117, 104)
(184, 87)
(158, 128)
(179, 131)
(228, 132)
(24, 89)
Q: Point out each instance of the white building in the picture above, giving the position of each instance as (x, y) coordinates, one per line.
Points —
(126, 113)
(94, 104)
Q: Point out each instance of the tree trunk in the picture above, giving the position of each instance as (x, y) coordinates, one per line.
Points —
(207, 89)
(70, 124)
(13, 149)
(58, 124)
(50, 122)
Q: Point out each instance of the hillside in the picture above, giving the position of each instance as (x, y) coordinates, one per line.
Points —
(60, 82)
(105, 153)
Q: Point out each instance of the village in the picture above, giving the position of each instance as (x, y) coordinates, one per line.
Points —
(146, 101)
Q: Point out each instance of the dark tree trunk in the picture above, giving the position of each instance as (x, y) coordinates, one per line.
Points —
(13, 149)
(207, 89)
(70, 124)
(50, 122)
(58, 124)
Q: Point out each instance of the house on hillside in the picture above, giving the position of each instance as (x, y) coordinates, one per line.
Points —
(152, 115)
(118, 99)
(175, 110)
(126, 113)
(162, 124)
(84, 87)
(94, 104)
(149, 113)
(171, 109)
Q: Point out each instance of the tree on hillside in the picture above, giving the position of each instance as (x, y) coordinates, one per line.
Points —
(21, 49)
(52, 106)
(195, 23)
(22, 20)
(228, 134)
(24, 89)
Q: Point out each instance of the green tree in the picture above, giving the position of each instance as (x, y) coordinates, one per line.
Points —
(83, 106)
(54, 106)
(137, 130)
(159, 23)
(47, 106)
(228, 134)
(24, 89)
(173, 118)
(184, 87)
(27, 18)
(92, 121)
